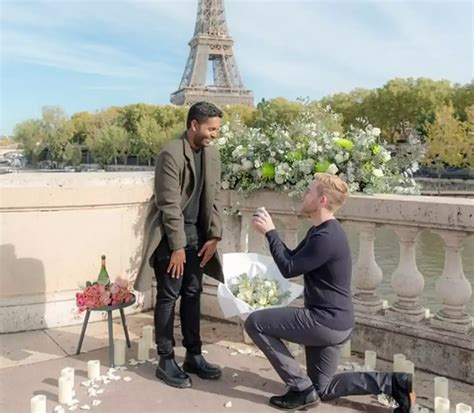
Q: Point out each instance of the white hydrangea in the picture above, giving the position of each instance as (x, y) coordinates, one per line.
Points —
(332, 169)
(378, 173)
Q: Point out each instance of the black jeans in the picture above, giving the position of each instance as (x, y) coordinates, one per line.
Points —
(189, 287)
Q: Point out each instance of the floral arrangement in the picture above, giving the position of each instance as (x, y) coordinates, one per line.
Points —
(98, 294)
(257, 291)
(285, 158)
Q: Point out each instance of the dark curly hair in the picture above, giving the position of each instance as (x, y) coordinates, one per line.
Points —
(201, 112)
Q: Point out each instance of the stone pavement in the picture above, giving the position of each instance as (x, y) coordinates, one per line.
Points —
(30, 363)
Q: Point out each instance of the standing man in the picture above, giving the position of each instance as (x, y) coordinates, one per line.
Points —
(184, 228)
(325, 322)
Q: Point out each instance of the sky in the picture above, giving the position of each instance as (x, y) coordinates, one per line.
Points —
(87, 55)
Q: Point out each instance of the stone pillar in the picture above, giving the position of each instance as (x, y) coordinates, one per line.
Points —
(407, 281)
(290, 230)
(367, 274)
(452, 288)
(245, 228)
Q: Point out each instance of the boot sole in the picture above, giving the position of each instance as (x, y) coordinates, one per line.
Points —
(303, 407)
(164, 378)
(192, 370)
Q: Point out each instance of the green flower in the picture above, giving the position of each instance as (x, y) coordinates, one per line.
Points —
(375, 148)
(322, 166)
(345, 144)
(295, 156)
(268, 170)
(368, 167)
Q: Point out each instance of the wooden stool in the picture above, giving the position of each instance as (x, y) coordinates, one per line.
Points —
(109, 309)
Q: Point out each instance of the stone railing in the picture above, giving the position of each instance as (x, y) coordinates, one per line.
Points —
(56, 225)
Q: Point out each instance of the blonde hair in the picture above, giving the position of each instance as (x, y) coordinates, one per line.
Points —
(334, 188)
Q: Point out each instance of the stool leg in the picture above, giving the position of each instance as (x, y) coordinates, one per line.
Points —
(111, 339)
(83, 331)
(124, 323)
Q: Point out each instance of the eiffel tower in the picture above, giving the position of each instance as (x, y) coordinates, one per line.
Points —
(211, 43)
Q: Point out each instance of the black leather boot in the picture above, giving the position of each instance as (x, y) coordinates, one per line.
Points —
(403, 392)
(294, 400)
(169, 371)
(197, 364)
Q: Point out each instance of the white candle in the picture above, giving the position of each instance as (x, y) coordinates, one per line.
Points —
(427, 313)
(409, 367)
(463, 408)
(147, 334)
(119, 352)
(384, 304)
(441, 387)
(346, 350)
(143, 350)
(68, 372)
(442, 405)
(93, 369)
(370, 360)
(38, 404)
(65, 390)
(398, 363)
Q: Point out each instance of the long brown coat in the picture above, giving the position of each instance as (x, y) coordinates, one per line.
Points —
(174, 185)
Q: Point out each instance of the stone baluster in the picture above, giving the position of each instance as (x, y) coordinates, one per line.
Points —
(407, 281)
(245, 228)
(452, 288)
(367, 274)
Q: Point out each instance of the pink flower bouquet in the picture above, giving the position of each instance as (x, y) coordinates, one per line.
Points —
(96, 295)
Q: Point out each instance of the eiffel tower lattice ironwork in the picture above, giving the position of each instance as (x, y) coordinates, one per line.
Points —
(211, 43)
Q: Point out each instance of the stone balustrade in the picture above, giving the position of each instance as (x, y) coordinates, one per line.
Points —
(55, 226)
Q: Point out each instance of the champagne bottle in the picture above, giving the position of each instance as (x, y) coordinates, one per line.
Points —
(103, 275)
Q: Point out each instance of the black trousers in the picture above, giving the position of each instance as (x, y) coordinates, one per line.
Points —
(189, 287)
(269, 327)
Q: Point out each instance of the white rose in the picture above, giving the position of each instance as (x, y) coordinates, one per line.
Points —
(339, 158)
(279, 179)
(332, 169)
(225, 185)
(246, 164)
(378, 173)
(222, 141)
(376, 131)
(257, 164)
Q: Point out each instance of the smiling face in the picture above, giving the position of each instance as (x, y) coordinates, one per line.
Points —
(204, 133)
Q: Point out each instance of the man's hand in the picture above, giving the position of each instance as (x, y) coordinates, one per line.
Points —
(177, 261)
(262, 222)
(207, 251)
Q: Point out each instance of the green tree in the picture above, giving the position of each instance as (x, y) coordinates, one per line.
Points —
(447, 140)
(29, 135)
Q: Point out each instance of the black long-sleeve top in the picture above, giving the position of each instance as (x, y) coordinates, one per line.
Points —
(325, 260)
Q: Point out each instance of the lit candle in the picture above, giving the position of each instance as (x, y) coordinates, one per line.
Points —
(442, 405)
(427, 313)
(370, 360)
(441, 387)
(409, 367)
(93, 369)
(65, 390)
(147, 334)
(143, 350)
(346, 350)
(38, 404)
(463, 408)
(384, 304)
(68, 372)
(398, 363)
(119, 352)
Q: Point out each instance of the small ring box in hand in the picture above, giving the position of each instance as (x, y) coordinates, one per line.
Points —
(260, 211)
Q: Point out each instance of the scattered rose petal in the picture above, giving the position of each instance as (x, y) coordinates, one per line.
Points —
(151, 360)
(86, 383)
(127, 379)
(228, 404)
(73, 407)
(59, 409)
(111, 370)
(141, 362)
(85, 407)
(235, 375)
(106, 381)
(234, 353)
(100, 391)
(205, 352)
(155, 363)
(96, 402)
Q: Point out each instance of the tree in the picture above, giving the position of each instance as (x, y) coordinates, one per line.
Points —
(72, 154)
(447, 140)
(30, 137)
